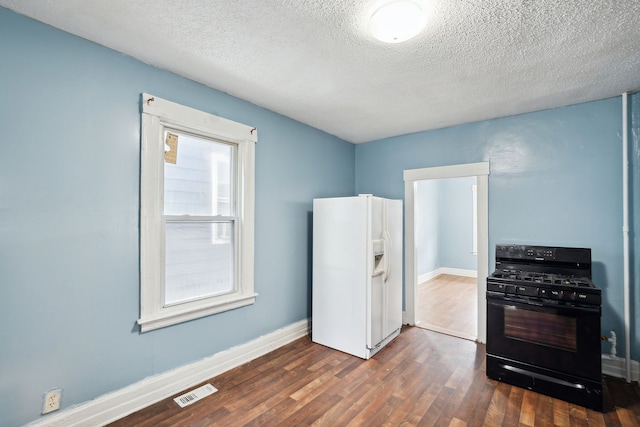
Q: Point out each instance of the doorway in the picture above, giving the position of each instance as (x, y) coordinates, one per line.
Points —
(446, 256)
(411, 178)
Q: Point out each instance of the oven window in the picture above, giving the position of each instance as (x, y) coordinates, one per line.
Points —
(547, 329)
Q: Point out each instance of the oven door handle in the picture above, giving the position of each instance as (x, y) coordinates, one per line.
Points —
(511, 300)
(543, 377)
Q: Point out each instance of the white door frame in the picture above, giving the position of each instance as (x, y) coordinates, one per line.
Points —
(481, 172)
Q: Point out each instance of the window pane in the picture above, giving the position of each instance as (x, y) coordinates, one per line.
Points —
(199, 183)
(199, 260)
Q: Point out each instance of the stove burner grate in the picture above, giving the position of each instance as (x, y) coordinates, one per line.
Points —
(543, 278)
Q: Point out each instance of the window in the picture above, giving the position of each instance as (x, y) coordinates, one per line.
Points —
(196, 234)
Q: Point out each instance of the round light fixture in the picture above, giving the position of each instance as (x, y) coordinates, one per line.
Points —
(397, 21)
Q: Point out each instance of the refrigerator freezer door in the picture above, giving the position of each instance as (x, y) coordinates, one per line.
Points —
(394, 254)
(384, 299)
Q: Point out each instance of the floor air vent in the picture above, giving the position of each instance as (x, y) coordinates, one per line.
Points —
(194, 395)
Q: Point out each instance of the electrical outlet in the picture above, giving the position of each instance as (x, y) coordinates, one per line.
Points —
(52, 400)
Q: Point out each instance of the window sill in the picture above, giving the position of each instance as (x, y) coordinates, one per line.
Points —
(178, 314)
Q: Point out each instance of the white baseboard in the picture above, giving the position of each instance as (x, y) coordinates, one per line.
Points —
(120, 403)
(616, 367)
(447, 270)
(428, 276)
(459, 272)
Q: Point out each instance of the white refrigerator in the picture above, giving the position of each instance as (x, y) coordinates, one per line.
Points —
(357, 273)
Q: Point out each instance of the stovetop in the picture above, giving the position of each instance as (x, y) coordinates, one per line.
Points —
(544, 273)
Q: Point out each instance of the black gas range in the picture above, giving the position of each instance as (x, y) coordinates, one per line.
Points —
(543, 322)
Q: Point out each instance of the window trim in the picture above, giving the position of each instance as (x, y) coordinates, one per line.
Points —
(157, 114)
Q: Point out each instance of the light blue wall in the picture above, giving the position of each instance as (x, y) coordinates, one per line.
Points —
(456, 223)
(69, 192)
(444, 226)
(555, 180)
(427, 226)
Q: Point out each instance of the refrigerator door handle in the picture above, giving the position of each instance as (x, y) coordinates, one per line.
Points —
(387, 254)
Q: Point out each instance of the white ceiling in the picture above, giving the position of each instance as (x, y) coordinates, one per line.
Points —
(313, 60)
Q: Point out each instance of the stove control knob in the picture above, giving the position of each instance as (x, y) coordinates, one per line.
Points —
(556, 294)
(590, 298)
(572, 296)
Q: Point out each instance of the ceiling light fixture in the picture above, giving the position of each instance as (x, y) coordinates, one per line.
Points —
(397, 21)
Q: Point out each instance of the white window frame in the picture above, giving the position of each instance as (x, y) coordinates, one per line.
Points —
(158, 114)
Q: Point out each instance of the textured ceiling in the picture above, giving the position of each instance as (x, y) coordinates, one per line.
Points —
(314, 61)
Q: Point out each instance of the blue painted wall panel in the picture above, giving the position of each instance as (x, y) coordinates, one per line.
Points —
(427, 226)
(69, 186)
(456, 223)
(444, 226)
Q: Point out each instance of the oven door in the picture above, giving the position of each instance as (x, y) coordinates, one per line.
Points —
(561, 338)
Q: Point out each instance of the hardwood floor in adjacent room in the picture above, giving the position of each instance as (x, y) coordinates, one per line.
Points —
(448, 304)
(421, 378)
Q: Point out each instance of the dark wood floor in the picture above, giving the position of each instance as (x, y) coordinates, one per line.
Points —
(421, 378)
